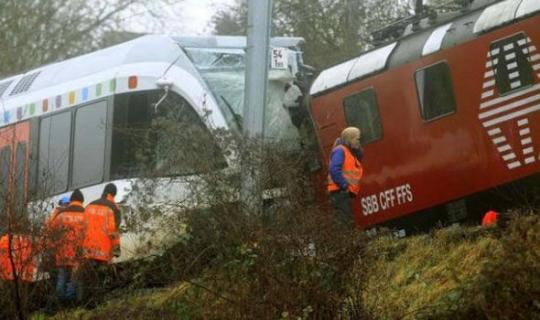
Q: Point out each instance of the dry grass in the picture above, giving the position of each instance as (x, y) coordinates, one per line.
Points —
(454, 273)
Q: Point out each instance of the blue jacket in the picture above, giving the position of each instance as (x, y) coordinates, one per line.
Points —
(337, 157)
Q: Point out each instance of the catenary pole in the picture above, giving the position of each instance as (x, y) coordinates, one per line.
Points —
(257, 61)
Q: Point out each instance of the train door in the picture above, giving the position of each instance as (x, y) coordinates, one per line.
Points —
(14, 155)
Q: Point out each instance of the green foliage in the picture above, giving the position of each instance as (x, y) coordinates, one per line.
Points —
(510, 280)
(456, 273)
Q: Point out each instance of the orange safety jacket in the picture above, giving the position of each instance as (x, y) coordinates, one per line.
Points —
(352, 172)
(24, 258)
(490, 218)
(66, 229)
(101, 237)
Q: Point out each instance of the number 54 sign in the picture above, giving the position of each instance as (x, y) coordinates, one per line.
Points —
(279, 58)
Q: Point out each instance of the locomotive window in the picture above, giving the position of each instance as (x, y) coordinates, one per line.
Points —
(434, 87)
(89, 144)
(511, 67)
(54, 143)
(362, 111)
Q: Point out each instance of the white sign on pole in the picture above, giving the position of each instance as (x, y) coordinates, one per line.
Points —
(280, 58)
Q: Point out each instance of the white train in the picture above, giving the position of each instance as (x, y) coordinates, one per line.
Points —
(57, 122)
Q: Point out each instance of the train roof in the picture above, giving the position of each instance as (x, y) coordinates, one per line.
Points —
(447, 32)
(153, 48)
(149, 48)
(234, 42)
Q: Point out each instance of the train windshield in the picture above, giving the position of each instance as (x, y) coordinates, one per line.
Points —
(223, 70)
(171, 140)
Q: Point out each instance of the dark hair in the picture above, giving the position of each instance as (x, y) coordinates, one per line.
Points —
(110, 188)
(77, 196)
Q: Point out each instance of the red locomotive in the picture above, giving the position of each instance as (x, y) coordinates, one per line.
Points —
(447, 112)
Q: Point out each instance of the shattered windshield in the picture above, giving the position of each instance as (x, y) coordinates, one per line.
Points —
(224, 72)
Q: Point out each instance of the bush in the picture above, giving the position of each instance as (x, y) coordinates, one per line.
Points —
(456, 273)
(289, 260)
(303, 266)
(510, 280)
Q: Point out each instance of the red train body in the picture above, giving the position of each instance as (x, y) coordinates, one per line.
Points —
(449, 111)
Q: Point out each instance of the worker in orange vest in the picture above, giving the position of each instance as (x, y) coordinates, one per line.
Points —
(490, 218)
(66, 228)
(47, 243)
(345, 172)
(22, 257)
(102, 216)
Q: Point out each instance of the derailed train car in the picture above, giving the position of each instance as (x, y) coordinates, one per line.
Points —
(69, 124)
(447, 111)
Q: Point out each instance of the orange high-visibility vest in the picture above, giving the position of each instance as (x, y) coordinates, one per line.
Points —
(24, 258)
(66, 229)
(352, 172)
(490, 218)
(101, 236)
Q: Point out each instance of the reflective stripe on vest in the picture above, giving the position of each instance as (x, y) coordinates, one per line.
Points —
(352, 172)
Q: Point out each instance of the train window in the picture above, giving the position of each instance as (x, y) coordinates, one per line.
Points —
(169, 141)
(54, 146)
(20, 165)
(89, 144)
(188, 157)
(512, 69)
(132, 119)
(434, 87)
(362, 111)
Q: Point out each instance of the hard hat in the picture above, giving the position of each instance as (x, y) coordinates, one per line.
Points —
(64, 201)
(490, 218)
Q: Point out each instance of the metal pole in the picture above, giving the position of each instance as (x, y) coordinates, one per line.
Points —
(258, 46)
(257, 60)
(418, 12)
